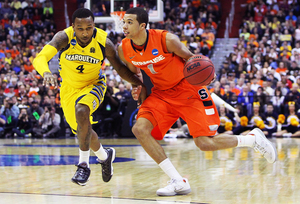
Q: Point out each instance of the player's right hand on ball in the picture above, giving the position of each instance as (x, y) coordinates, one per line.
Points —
(49, 80)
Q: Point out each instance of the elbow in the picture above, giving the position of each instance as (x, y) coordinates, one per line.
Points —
(35, 61)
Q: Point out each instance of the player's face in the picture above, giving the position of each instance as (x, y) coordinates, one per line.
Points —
(131, 26)
(84, 29)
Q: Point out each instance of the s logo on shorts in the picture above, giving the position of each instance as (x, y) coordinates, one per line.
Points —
(203, 94)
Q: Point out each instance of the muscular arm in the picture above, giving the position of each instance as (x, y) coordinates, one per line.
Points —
(175, 46)
(40, 63)
(124, 72)
(132, 68)
(60, 40)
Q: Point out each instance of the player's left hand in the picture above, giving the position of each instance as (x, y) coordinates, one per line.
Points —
(49, 80)
(135, 92)
(139, 94)
(143, 95)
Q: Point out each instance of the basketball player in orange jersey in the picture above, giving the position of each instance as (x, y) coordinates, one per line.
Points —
(162, 56)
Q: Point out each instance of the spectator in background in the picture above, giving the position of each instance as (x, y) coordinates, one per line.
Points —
(123, 95)
(35, 112)
(293, 95)
(110, 29)
(297, 34)
(246, 99)
(49, 123)
(2, 125)
(28, 66)
(36, 16)
(8, 58)
(2, 96)
(271, 120)
(24, 102)
(16, 5)
(292, 119)
(278, 101)
(11, 112)
(24, 125)
(114, 80)
(291, 16)
(11, 92)
(48, 8)
(227, 121)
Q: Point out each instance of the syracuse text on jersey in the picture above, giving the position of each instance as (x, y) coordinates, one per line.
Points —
(152, 61)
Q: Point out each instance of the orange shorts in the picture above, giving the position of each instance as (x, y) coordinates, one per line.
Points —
(194, 105)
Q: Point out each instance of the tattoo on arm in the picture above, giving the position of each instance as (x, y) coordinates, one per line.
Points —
(60, 40)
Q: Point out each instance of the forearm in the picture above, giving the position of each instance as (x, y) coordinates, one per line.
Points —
(140, 76)
(128, 75)
(40, 63)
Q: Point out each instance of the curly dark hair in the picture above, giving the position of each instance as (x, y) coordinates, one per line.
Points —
(141, 14)
(82, 13)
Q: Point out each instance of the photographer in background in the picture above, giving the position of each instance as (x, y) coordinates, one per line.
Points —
(24, 125)
(49, 123)
(35, 112)
(11, 112)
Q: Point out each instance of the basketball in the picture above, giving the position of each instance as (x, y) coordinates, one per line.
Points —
(199, 70)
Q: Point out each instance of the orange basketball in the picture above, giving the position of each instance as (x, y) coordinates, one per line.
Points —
(199, 70)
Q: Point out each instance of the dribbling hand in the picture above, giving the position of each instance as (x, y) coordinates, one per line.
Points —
(49, 80)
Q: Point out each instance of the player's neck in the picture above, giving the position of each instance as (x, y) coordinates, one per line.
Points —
(141, 38)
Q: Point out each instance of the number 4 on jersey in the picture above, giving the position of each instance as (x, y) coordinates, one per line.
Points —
(80, 69)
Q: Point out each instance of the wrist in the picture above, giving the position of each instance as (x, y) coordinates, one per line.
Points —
(47, 73)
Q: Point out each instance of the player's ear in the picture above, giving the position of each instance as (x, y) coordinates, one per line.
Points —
(143, 25)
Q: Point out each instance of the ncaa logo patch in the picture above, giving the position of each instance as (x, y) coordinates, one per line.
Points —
(73, 42)
(154, 52)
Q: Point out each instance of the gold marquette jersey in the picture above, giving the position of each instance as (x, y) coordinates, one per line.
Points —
(79, 66)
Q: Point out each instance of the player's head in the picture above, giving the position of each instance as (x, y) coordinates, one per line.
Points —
(141, 14)
(83, 25)
(82, 13)
(135, 20)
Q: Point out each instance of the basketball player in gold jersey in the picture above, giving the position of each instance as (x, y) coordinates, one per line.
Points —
(82, 50)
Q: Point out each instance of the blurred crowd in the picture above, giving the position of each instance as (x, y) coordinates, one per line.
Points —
(261, 76)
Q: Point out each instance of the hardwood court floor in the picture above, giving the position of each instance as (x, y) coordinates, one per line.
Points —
(39, 171)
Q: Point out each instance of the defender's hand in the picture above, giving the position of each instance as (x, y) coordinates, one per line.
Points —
(135, 92)
(49, 79)
(143, 95)
(139, 94)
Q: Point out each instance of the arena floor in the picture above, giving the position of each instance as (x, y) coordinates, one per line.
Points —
(40, 171)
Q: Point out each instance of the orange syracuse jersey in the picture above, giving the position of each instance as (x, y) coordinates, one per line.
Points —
(164, 69)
